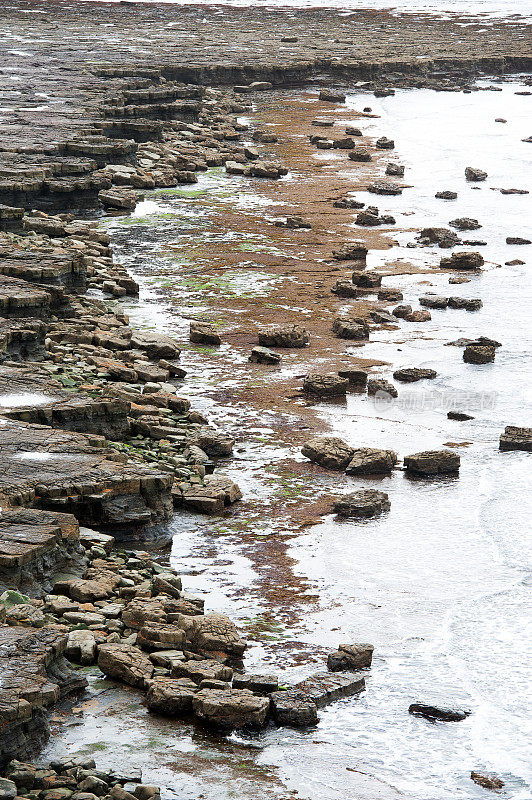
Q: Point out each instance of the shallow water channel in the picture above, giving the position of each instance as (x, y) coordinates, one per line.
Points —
(441, 584)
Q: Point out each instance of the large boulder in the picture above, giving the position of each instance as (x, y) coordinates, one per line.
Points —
(81, 647)
(293, 708)
(361, 504)
(325, 385)
(432, 462)
(478, 355)
(231, 708)
(142, 610)
(463, 260)
(356, 329)
(198, 671)
(474, 174)
(515, 438)
(283, 336)
(328, 451)
(155, 345)
(216, 633)
(169, 696)
(350, 657)
(204, 333)
(381, 386)
(351, 251)
(125, 663)
(156, 636)
(371, 461)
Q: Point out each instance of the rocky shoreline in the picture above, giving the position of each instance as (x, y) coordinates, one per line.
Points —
(100, 445)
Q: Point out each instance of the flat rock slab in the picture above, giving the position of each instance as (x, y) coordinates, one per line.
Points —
(324, 688)
(18, 298)
(293, 708)
(75, 473)
(30, 395)
(438, 713)
(515, 438)
(65, 269)
(412, 374)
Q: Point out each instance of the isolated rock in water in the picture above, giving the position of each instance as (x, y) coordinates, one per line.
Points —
(446, 195)
(378, 385)
(469, 304)
(263, 355)
(385, 187)
(515, 438)
(412, 374)
(440, 713)
(460, 416)
(283, 336)
(517, 240)
(433, 301)
(464, 260)
(325, 385)
(351, 251)
(332, 96)
(361, 504)
(402, 311)
(359, 154)
(356, 377)
(478, 355)
(371, 461)
(293, 708)
(473, 174)
(328, 451)
(465, 224)
(352, 131)
(350, 657)
(216, 632)
(418, 316)
(231, 708)
(169, 696)
(125, 663)
(488, 780)
(443, 237)
(395, 169)
(385, 144)
(204, 333)
(432, 462)
(356, 329)
(390, 295)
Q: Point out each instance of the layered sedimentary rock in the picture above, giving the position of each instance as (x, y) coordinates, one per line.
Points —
(34, 675)
(53, 469)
